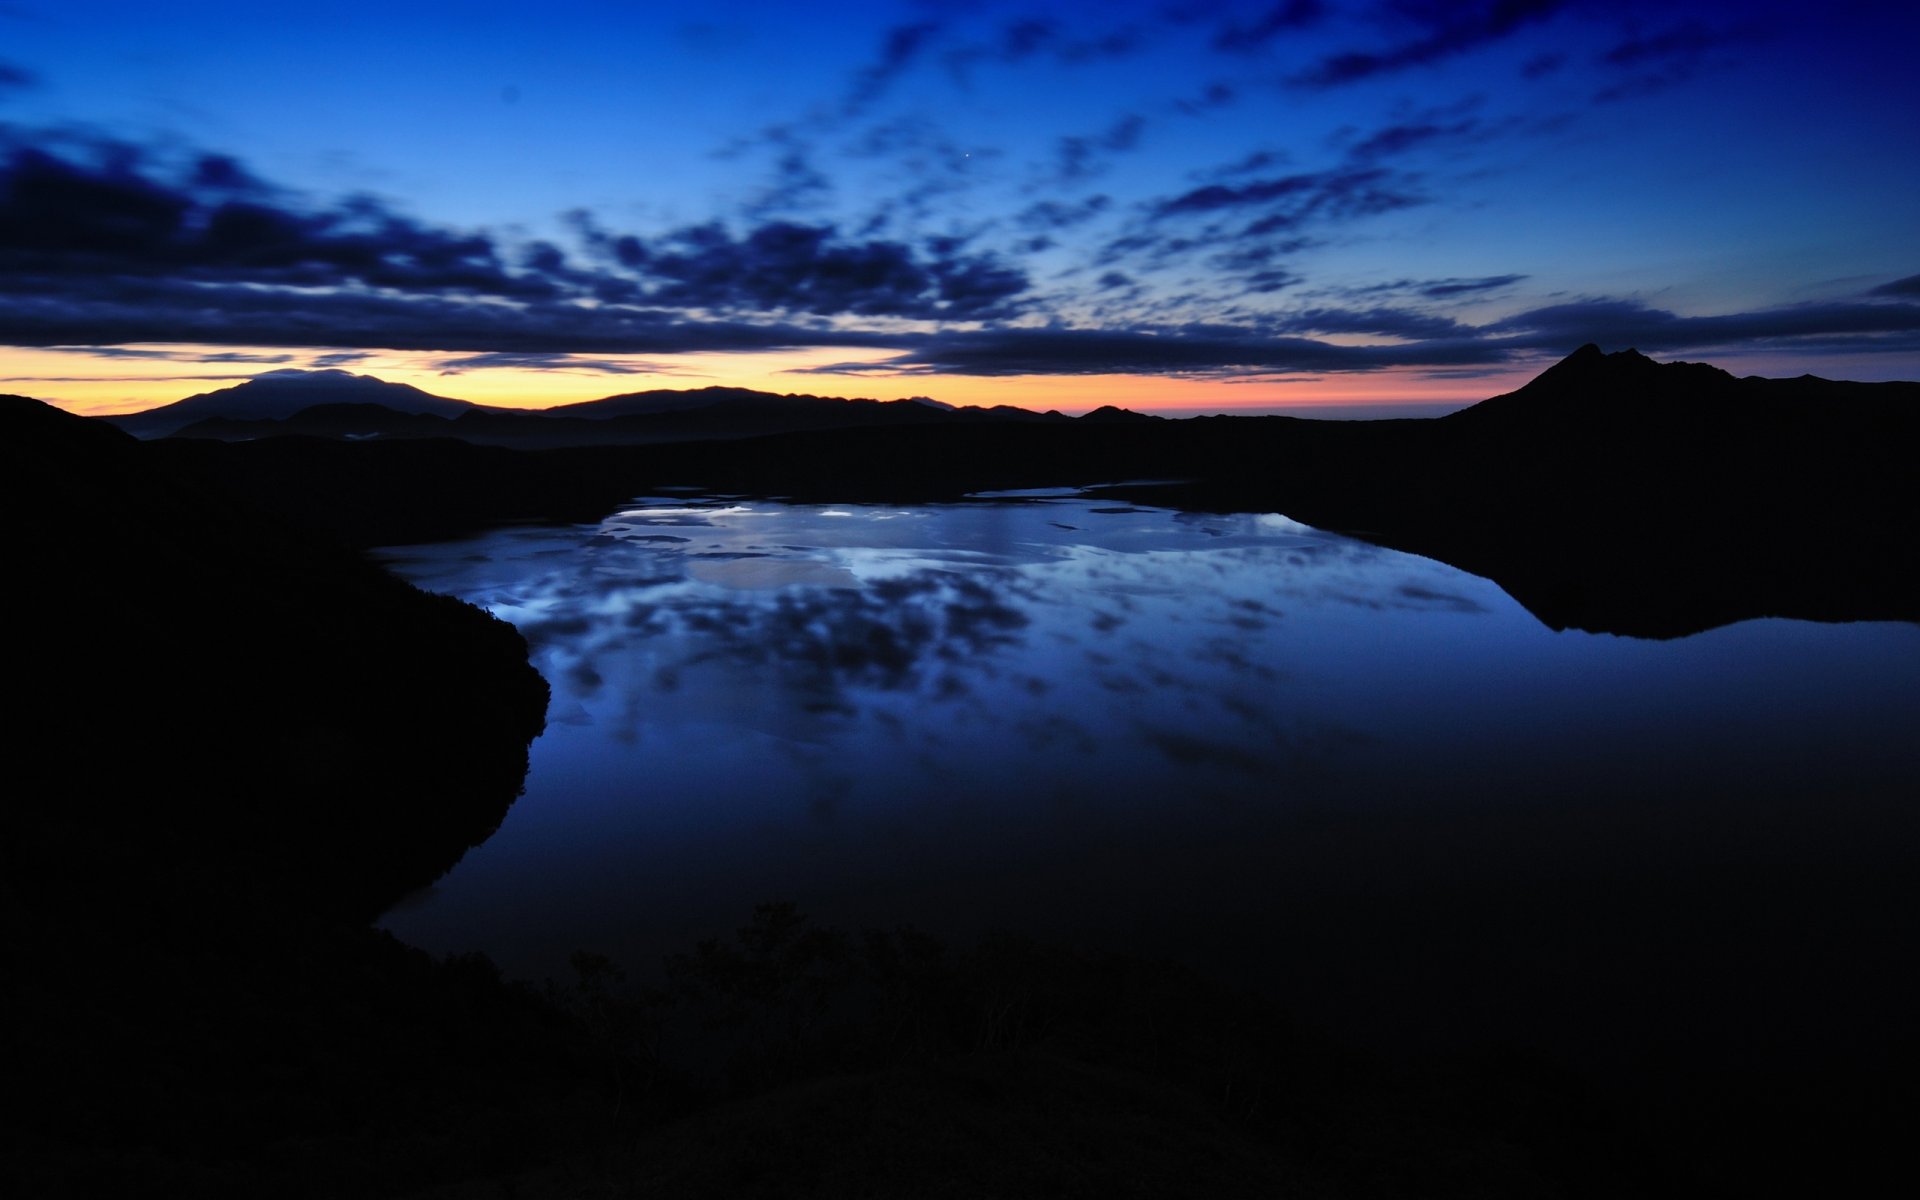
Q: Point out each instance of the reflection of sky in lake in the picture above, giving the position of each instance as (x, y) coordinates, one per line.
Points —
(1082, 717)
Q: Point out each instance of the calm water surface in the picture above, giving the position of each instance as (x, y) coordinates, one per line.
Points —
(1230, 737)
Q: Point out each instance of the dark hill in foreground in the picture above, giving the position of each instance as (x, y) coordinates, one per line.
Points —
(230, 746)
(233, 741)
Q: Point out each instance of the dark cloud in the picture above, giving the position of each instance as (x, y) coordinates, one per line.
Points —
(1631, 323)
(1116, 44)
(1658, 61)
(189, 356)
(1022, 39)
(1252, 164)
(1292, 200)
(1190, 350)
(105, 312)
(105, 243)
(1542, 65)
(1910, 286)
(1080, 157)
(1273, 345)
(1027, 39)
(540, 361)
(903, 44)
(1398, 139)
(1384, 322)
(1214, 95)
(13, 78)
(1277, 19)
(108, 212)
(1443, 31)
(1054, 215)
(1682, 41)
(797, 185)
(1440, 289)
(1437, 289)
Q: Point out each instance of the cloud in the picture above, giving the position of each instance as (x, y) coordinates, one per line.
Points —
(541, 361)
(1436, 289)
(16, 79)
(1542, 65)
(1440, 289)
(149, 310)
(1079, 157)
(1290, 201)
(1382, 322)
(1910, 286)
(104, 242)
(1632, 323)
(786, 266)
(1052, 216)
(1398, 139)
(1661, 60)
(1444, 31)
(1026, 39)
(1683, 41)
(1277, 19)
(902, 46)
(797, 185)
(109, 212)
(1190, 350)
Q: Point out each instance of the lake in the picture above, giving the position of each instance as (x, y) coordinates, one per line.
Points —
(1300, 761)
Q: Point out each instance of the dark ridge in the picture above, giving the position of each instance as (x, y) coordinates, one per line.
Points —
(744, 414)
(277, 395)
(664, 400)
(389, 725)
(351, 421)
(1108, 413)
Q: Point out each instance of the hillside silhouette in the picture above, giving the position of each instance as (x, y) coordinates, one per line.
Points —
(336, 404)
(277, 395)
(232, 745)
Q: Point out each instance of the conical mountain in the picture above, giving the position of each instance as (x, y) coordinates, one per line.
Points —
(278, 395)
(1591, 387)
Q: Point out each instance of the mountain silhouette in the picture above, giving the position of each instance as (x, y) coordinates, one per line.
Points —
(334, 404)
(278, 395)
(665, 400)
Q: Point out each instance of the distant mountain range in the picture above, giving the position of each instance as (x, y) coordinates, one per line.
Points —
(338, 404)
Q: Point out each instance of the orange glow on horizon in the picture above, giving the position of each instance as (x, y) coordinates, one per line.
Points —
(133, 378)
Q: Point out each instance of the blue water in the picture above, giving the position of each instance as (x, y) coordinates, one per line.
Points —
(1209, 736)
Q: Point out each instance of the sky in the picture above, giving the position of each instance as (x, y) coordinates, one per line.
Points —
(1172, 205)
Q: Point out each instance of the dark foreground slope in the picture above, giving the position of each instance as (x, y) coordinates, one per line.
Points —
(1611, 494)
(233, 742)
(228, 747)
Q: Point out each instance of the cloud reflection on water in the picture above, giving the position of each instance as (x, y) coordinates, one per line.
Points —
(1060, 622)
(1029, 706)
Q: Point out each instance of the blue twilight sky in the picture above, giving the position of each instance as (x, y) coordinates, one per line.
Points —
(1172, 204)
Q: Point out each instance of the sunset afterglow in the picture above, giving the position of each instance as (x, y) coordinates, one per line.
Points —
(1190, 207)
